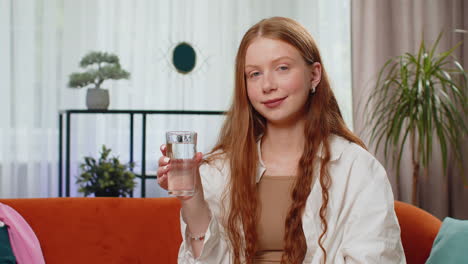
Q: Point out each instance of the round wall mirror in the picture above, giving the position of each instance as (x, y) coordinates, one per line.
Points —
(184, 58)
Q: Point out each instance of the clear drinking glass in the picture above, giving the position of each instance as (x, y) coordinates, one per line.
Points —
(181, 149)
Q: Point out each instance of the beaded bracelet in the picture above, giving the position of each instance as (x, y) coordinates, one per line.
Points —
(197, 237)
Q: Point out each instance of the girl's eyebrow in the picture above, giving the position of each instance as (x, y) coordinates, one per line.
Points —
(282, 57)
(275, 60)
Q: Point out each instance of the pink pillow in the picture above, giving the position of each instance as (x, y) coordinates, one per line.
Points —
(24, 242)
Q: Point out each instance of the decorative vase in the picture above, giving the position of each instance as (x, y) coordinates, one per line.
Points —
(97, 99)
(107, 193)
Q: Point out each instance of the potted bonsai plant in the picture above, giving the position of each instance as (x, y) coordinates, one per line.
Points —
(106, 176)
(100, 66)
(420, 98)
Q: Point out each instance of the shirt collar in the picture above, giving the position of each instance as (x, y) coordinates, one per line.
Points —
(337, 145)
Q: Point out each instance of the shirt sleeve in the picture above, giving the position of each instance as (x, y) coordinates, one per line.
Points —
(215, 246)
(372, 232)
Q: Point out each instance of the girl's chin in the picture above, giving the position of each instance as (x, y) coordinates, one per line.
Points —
(279, 118)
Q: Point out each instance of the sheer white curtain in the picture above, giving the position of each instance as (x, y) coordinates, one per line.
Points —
(42, 41)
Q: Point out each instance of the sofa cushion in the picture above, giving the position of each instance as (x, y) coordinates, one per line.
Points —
(450, 245)
(24, 243)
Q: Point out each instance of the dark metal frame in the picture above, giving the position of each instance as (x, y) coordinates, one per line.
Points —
(68, 113)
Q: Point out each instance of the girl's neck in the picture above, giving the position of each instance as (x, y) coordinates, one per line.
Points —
(287, 140)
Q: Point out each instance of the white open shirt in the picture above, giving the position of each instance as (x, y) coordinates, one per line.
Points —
(362, 224)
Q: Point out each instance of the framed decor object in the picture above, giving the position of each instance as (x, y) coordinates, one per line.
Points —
(184, 58)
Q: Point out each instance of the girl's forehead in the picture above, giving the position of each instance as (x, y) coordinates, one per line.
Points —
(262, 43)
(262, 50)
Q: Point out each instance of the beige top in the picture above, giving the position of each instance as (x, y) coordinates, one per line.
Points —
(274, 202)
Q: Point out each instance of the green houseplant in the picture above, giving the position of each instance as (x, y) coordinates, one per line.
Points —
(100, 66)
(105, 176)
(420, 98)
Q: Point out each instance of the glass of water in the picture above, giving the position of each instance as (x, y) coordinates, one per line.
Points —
(181, 149)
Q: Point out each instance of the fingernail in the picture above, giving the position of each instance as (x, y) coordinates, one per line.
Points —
(166, 167)
(163, 147)
(167, 159)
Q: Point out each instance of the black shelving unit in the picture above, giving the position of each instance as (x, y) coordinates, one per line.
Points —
(68, 114)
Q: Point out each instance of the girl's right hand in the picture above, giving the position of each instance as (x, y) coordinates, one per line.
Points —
(165, 166)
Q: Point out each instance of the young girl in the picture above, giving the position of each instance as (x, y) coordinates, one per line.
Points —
(287, 182)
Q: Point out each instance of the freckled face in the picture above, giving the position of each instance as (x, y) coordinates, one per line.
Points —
(278, 80)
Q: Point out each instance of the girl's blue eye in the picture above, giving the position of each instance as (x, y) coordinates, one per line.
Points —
(254, 74)
(283, 68)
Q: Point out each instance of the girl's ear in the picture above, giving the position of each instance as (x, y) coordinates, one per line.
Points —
(315, 74)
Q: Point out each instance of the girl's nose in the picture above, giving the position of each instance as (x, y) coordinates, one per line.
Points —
(269, 83)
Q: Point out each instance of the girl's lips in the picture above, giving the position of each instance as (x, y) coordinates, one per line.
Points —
(274, 103)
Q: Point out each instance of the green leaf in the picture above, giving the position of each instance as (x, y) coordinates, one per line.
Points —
(79, 80)
(96, 57)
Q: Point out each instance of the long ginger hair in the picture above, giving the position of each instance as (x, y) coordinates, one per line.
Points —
(243, 127)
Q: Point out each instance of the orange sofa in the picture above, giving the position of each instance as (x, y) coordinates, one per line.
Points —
(146, 230)
(104, 230)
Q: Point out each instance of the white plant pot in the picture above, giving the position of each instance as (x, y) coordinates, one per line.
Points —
(97, 99)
